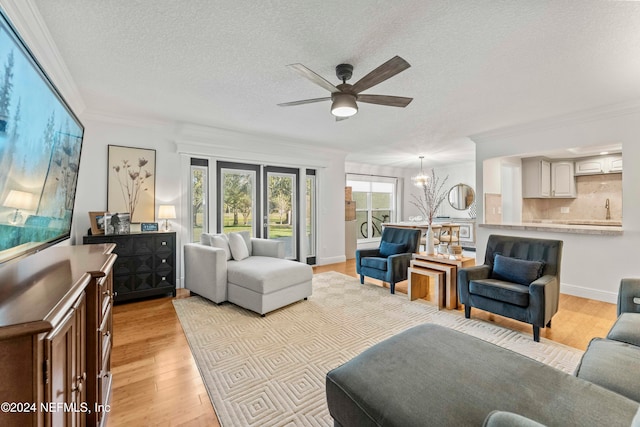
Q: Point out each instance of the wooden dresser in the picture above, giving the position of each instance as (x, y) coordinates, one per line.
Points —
(146, 264)
(56, 337)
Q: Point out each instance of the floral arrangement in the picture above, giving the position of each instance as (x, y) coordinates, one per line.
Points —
(432, 197)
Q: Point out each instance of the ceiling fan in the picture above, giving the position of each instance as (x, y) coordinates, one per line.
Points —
(345, 95)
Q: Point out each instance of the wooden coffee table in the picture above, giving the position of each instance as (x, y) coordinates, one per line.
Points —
(423, 272)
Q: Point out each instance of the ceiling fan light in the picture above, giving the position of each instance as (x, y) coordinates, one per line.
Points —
(344, 105)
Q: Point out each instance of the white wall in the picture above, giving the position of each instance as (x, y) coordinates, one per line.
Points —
(592, 265)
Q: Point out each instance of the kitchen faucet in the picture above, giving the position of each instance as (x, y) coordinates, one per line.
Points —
(606, 205)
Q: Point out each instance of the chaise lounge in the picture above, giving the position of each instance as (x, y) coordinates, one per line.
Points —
(254, 276)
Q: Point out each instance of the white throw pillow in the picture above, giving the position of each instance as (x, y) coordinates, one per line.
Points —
(238, 246)
(221, 241)
(246, 235)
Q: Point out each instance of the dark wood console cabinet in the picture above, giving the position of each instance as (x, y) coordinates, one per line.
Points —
(146, 264)
(56, 337)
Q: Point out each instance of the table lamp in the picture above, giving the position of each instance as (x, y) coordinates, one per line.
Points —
(166, 212)
(18, 200)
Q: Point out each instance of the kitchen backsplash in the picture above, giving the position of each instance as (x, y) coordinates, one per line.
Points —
(592, 194)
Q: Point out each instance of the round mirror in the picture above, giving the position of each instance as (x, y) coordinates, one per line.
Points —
(461, 196)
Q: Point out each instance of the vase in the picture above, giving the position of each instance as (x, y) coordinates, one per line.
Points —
(429, 241)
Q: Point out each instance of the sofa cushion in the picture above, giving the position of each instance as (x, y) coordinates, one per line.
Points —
(221, 241)
(612, 365)
(516, 270)
(374, 262)
(626, 329)
(238, 246)
(387, 249)
(246, 235)
(499, 290)
(266, 274)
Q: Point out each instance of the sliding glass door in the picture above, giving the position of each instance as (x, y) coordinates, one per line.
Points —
(310, 217)
(238, 197)
(199, 198)
(280, 219)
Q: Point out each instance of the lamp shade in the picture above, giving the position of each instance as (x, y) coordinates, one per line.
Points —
(344, 105)
(167, 212)
(19, 200)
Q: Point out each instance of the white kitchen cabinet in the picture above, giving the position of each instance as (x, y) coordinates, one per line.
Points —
(536, 178)
(589, 166)
(563, 182)
(614, 164)
(599, 165)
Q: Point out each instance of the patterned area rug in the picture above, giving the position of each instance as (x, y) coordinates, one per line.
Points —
(271, 371)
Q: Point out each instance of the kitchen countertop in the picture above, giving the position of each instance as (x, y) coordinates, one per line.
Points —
(584, 227)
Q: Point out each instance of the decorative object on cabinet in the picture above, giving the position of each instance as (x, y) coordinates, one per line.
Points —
(146, 264)
(461, 196)
(149, 226)
(131, 186)
(56, 336)
(97, 222)
(117, 223)
(166, 212)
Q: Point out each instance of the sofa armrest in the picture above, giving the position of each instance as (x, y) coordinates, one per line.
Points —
(398, 265)
(466, 275)
(544, 292)
(267, 247)
(205, 271)
(629, 296)
(363, 253)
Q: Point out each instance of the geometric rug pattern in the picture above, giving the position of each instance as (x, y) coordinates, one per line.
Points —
(270, 371)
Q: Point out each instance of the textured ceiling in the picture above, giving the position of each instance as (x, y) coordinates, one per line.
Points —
(476, 65)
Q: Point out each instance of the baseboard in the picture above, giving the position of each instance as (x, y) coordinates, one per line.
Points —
(595, 294)
(330, 260)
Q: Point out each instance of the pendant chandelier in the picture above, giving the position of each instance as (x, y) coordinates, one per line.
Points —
(420, 179)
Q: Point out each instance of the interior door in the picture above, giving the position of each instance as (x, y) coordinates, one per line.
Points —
(281, 216)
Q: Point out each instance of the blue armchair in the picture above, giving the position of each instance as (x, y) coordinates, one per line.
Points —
(390, 261)
(520, 279)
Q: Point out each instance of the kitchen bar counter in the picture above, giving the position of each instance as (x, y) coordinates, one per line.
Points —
(557, 227)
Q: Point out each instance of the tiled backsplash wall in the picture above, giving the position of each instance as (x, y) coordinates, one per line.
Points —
(592, 193)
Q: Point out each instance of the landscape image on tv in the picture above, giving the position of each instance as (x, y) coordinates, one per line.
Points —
(40, 144)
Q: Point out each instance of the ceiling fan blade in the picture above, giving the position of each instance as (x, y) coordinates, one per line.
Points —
(304, 101)
(387, 70)
(315, 78)
(392, 101)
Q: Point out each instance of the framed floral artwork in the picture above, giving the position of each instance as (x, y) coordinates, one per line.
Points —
(131, 185)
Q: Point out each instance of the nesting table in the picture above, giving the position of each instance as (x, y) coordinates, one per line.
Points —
(435, 277)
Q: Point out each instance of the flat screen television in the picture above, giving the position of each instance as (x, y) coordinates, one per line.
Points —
(40, 145)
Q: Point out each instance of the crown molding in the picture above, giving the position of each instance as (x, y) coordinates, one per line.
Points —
(27, 20)
(129, 120)
(578, 117)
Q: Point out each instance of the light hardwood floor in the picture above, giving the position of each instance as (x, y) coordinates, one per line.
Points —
(156, 380)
